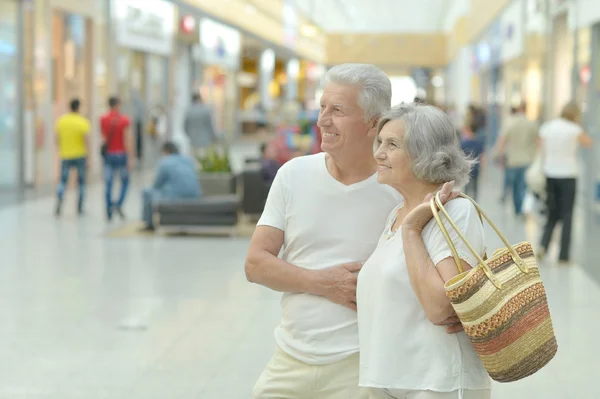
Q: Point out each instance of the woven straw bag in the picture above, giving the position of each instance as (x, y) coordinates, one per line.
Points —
(502, 305)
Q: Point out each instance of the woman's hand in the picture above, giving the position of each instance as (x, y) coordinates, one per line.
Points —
(416, 220)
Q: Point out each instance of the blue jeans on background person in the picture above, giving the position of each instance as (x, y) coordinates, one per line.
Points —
(149, 196)
(65, 168)
(115, 163)
(516, 176)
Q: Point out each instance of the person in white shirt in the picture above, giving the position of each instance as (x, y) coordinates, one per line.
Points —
(404, 351)
(560, 140)
(327, 211)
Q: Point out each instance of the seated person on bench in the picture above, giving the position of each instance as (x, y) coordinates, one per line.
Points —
(176, 179)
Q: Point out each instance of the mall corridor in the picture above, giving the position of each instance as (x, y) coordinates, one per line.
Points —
(92, 315)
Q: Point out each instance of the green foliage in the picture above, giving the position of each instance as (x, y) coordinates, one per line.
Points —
(215, 162)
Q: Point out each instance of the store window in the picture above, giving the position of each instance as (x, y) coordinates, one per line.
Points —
(8, 93)
(71, 78)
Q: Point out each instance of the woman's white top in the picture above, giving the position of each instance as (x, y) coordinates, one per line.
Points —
(560, 146)
(399, 347)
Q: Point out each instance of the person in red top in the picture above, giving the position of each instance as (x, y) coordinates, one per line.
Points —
(117, 157)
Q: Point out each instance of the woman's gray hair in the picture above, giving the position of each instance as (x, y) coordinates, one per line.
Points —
(375, 88)
(432, 143)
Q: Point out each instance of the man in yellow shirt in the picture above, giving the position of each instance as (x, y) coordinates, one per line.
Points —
(72, 134)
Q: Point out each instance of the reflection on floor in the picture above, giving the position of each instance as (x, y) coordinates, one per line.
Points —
(86, 316)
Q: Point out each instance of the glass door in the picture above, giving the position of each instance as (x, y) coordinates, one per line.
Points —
(9, 93)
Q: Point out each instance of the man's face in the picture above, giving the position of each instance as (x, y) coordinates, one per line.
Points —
(343, 128)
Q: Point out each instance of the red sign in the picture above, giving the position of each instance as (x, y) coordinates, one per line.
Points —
(585, 74)
(188, 24)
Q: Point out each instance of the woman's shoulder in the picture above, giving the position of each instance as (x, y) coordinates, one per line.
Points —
(460, 210)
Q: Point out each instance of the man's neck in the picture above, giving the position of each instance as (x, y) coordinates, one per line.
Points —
(351, 170)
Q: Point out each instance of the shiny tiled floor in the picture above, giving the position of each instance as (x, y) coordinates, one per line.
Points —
(85, 316)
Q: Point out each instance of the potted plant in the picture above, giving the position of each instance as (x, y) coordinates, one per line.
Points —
(216, 177)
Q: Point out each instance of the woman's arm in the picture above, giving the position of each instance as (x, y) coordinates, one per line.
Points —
(428, 280)
(585, 140)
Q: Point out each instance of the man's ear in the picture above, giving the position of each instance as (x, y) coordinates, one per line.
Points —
(373, 126)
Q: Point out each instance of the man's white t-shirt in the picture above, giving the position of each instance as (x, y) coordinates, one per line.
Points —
(560, 143)
(399, 347)
(326, 224)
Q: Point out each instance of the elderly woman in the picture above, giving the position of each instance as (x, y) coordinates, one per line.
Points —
(404, 350)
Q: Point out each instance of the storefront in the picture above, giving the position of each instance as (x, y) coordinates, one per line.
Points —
(188, 39)
(512, 56)
(562, 59)
(144, 36)
(536, 69)
(588, 60)
(215, 72)
(64, 52)
(10, 96)
(490, 80)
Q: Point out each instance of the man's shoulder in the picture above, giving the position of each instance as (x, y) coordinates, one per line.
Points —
(304, 164)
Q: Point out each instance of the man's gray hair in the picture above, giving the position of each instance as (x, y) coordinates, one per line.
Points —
(432, 143)
(375, 88)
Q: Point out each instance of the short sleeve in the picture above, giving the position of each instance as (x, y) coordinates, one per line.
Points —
(275, 208)
(466, 217)
(86, 126)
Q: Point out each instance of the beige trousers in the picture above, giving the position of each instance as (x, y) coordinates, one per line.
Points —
(403, 394)
(288, 378)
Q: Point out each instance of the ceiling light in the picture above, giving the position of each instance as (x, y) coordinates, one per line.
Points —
(308, 30)
(250, 9)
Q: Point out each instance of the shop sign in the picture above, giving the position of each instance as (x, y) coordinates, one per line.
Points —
(145, 26)
(585, 75)
(188, 30)
(219, 45)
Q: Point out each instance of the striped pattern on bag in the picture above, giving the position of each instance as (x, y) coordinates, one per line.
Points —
(510, 328)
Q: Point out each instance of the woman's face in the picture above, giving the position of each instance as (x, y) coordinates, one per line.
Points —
(394, 166)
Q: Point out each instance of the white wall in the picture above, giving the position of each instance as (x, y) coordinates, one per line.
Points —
(512, 22)
(584, 12)
(458, 84)
(456, 9)
(379, 16)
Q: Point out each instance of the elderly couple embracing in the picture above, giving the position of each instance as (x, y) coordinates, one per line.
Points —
(363, 267)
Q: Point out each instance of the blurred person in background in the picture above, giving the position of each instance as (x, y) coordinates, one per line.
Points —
(176, 179)
(518, 145)
(72, 135)
(119, 155)
(500, 160)
(473, 147)
(269, 163)
(560, 140)
(326, 211)
(199, 127)
(479, 120)
(294, 137)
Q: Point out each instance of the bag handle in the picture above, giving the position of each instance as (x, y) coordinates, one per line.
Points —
(436, 203)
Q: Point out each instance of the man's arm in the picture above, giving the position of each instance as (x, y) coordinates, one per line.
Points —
(129, 146)
(338, 284)
(161, 177)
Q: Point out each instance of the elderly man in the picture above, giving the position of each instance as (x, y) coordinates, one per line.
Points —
(327, 211)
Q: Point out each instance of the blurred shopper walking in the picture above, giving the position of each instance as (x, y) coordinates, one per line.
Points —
(199, 127)
(72, 135)
(518, 143)
(560, 141)
(118, 154)
(473, 147)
